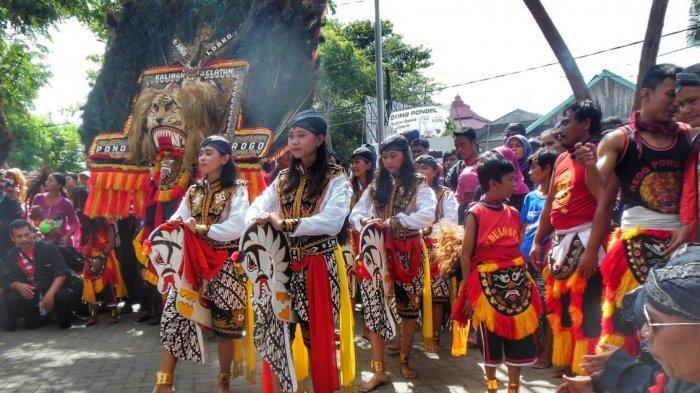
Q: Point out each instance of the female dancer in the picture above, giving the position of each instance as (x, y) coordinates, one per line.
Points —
(101, 267)
(400, 201)
(362, 166)
(308, 201)
(213, 210)
(446, 209)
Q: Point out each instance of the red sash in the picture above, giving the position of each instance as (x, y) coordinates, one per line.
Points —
(200, 260)
(411, 246)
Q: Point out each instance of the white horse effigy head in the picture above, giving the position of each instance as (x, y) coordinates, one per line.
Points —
(166, 256)
(267, 264)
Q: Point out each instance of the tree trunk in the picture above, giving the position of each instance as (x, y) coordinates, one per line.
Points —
(279, 43)
(5, 137)
(650, 48)
(561, 51)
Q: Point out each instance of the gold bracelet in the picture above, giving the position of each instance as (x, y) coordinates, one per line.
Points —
(201, 230)
(287, 225)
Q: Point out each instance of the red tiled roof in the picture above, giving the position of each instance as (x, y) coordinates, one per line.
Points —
(459, 111)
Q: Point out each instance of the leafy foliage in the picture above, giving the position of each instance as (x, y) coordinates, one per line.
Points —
(348, 75)
(31, 16)
(41, 143)
(23, 75)
(694, 34)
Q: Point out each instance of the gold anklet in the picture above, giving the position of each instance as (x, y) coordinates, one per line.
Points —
(377, 366)
(164, 379)
(491, 384)
(224, 379)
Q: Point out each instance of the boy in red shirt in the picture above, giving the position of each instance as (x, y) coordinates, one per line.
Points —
(498, 294)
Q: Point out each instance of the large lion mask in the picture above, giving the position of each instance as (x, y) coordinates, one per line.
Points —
(175, 119)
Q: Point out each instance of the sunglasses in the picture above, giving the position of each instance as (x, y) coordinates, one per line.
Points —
(653, 324)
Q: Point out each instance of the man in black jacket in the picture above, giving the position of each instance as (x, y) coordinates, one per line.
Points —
(36, 282)
(10, 210)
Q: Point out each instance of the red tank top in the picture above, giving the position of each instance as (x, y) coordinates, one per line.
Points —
(573, 204)
(498, 234)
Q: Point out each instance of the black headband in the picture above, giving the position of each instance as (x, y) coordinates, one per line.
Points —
(310, 120)
(428, 160)
(394, 142)
(365, 152)
(217, 142)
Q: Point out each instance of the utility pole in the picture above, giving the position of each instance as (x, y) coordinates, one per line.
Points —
(379, 72)
(327, 115)
(389, 99)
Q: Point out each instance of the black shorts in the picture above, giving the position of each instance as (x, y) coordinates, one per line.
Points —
(496, 349)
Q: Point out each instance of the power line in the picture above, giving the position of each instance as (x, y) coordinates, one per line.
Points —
(498, 76)
(678, 50)
(630, 76)
(352, 2)
(346, 122)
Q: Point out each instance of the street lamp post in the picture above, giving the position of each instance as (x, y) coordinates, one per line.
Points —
(379, 72)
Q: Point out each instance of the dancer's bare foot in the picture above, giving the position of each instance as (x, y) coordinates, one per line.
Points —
(223, 389)
(377, 380)
(407, 371)
(143, 316)
(163, 389)
(394, 348)
(563, 371)
(224, 382)
(542, 362)
(91, 320)
(436, 342)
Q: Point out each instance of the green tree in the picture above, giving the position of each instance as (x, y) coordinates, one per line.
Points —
(450, 127)
(56, 146)
(22, 78)
(348, 72)
(694, 25)
(22, 73)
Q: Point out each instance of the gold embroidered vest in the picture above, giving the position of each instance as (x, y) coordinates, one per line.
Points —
(212, 205)
(440, 194)
(356, 194)
(295, 205)
(400, 201)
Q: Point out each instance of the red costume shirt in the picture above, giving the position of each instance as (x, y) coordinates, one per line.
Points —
(573, 203)
(499, 233)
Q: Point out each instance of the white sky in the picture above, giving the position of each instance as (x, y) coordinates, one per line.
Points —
(470, 40)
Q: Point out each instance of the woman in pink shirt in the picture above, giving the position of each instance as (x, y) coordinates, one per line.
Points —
(58, 220)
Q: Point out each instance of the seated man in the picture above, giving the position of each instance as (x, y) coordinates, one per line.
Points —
(35, 282)
(668, 309)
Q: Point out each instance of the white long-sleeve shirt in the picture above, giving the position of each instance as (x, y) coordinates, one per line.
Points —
(232, 227)
(449, 207)
(423, 217)
(329, 219)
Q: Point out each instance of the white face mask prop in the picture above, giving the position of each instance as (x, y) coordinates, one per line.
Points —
(266, 263)
(166, 257)
(380, 287)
